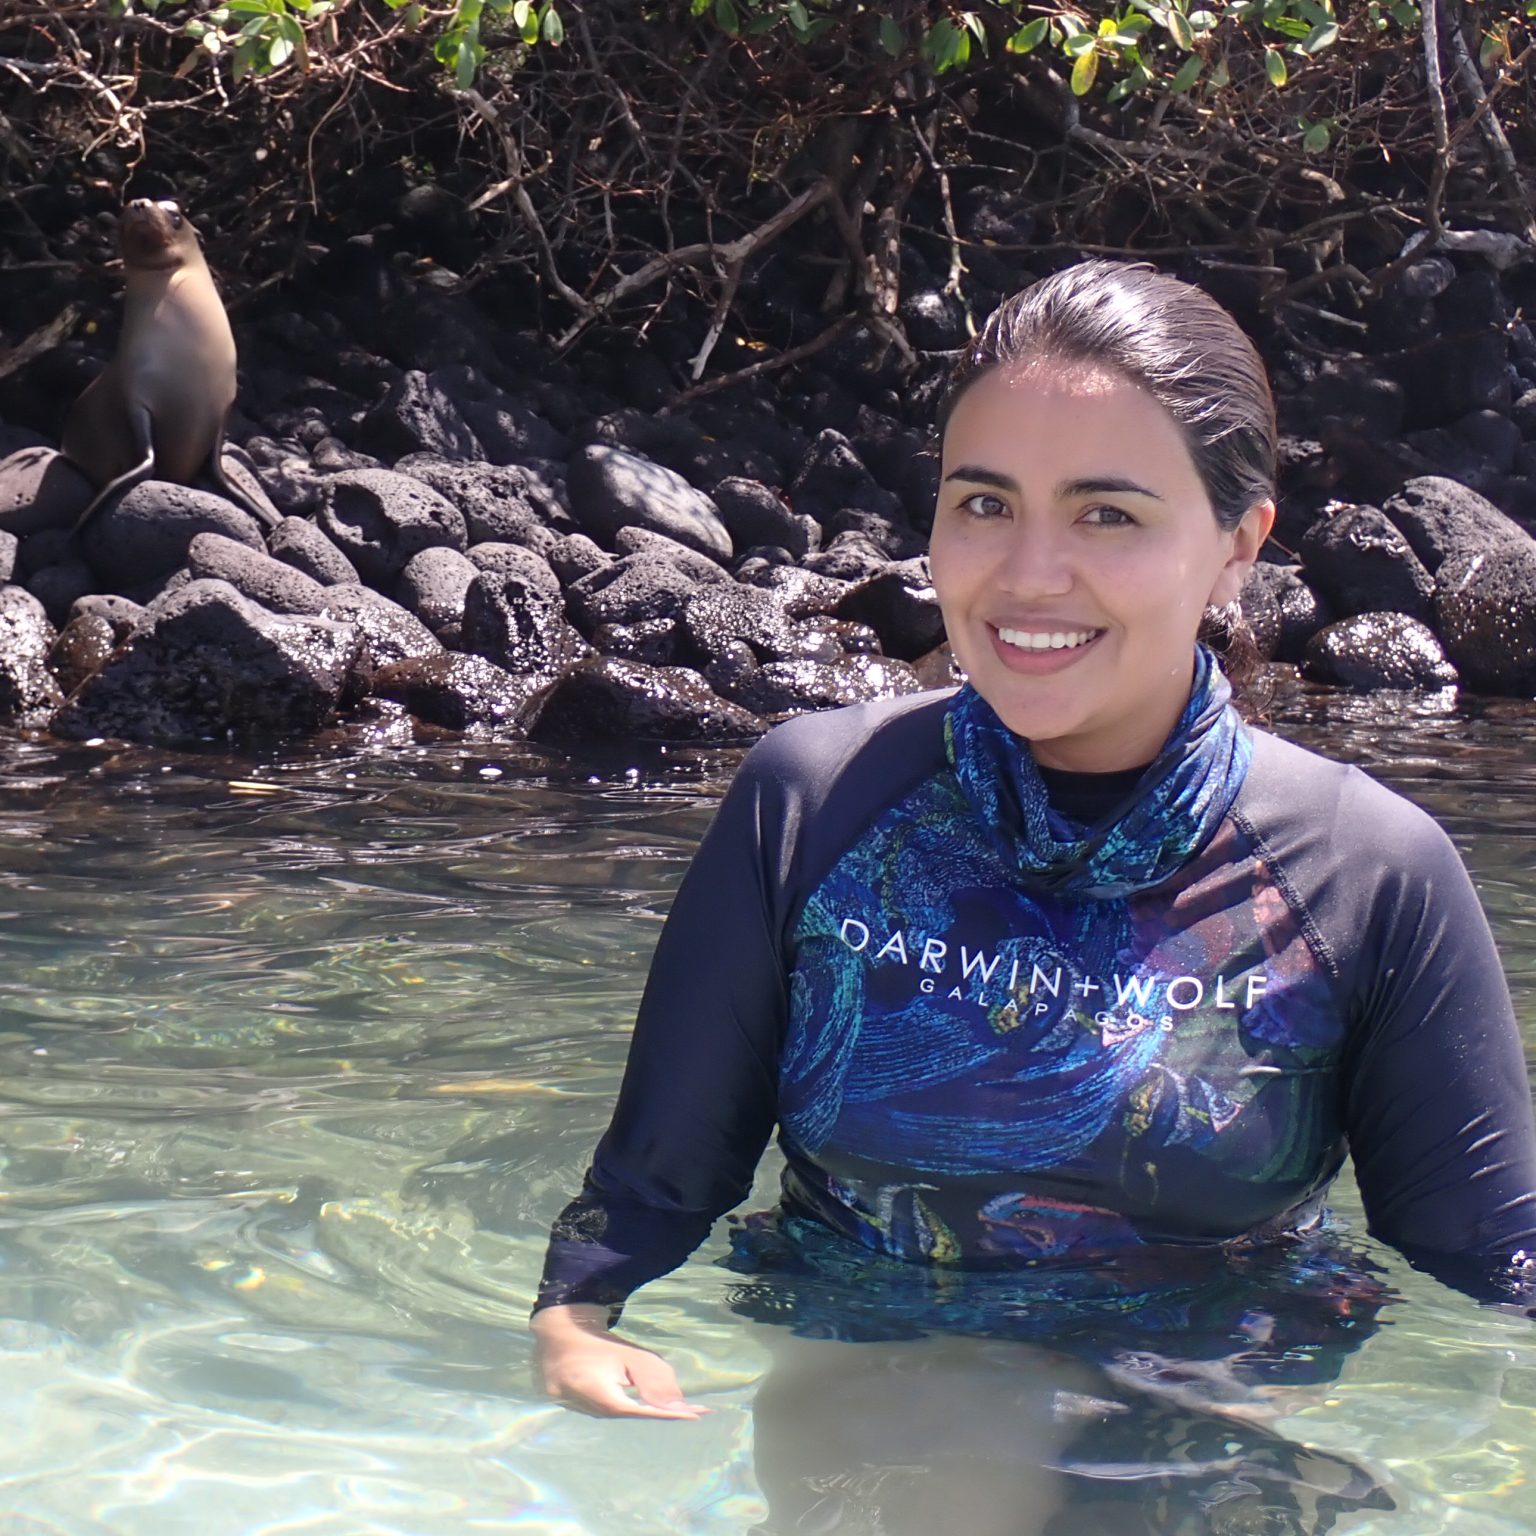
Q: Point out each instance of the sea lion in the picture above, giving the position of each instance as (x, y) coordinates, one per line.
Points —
(159, 408)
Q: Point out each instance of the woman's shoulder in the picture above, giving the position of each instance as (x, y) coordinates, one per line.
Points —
(880, 745)
(1324, 810)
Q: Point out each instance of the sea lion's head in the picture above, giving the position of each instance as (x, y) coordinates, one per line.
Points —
(156, 236)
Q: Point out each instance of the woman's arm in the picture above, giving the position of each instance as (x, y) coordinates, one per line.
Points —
(1438, 1101)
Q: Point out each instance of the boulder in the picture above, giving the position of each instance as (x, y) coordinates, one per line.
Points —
(28, 692)
(389, 633)
(297, 542)
(517, 560)
(608, 699)
(515, 623)
(1378, 650)
(792, 687)
(1259, 603)
(40, 488)
(510, 430)
(48, 546)
(1362, 564)
(1485, 611)
(1442, 519)
(716, 616)
(121, 613)
(417, 416)
(82, 649)
(803, 593)
(894, 540)
(653, 641)
(379, 519)
(935, 321)
(272, 583)
(208, 663)
(140, 539)
(573, 556)
(754, 515)
(627, 591)
(1298, 611)
(462, 693)
(833, 476)
(642, 541)
(57, 587)
(497, 501)
(434, 586)
(9, 546)
(900, 605)
(851, 556)
(612, 489)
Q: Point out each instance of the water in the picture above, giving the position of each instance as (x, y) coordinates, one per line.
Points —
(299, 1056)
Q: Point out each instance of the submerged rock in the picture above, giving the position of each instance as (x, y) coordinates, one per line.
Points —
(612, 700)
(208, 663)
(1378, 650)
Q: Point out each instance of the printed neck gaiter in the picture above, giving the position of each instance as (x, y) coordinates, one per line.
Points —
(1172, 813)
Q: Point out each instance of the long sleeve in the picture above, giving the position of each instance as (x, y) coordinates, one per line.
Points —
(699, 1095)
(1438, 1104)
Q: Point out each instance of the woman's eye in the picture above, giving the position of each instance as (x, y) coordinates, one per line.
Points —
(1108, 517)
(985, 504)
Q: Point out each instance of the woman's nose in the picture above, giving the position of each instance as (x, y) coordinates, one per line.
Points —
(1036, 563)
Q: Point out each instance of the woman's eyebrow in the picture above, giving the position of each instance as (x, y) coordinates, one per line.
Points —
(979, 476)
(1102, 485)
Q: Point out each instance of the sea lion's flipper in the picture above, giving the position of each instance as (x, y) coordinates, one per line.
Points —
(227, 487)
(114, 488)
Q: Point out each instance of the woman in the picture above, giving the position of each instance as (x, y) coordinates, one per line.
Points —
(1072, 971)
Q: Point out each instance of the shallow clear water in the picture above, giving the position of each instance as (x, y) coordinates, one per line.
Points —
(299, 1056)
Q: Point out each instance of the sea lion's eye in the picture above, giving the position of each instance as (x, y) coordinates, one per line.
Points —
(175, 220)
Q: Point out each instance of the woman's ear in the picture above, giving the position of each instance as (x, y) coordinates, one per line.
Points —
(1247, 540)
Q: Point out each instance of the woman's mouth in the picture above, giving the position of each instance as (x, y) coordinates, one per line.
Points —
(1047, 639)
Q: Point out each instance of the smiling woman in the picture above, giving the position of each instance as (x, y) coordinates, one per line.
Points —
(1069, 976)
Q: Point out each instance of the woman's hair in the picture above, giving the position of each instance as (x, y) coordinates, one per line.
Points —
(1186, 351)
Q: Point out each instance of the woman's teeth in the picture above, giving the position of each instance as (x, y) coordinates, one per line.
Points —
(1046, 640)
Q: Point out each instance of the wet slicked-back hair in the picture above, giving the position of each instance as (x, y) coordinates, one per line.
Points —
(1165, 335)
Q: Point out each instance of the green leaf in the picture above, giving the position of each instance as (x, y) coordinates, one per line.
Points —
(1118, 92)
(1107, 27)
(1084, 72)
(1203, 21)
(279, 51)
(1491, 51)
(1139, 26)
(1076, 47)
(554, 28)
(698, 7)
(891, 37)
(1221, 76)
(1407, 16)
(1188, 73)
(1183, 34)
(1315, 139)
(1314, 13)
(974, 26)
(1324, 35)
(530, 28)
(1291, 27)
(727, 17)
(521, 11)
(1069, 24)
(1029, 37)
(799, 17)
(1274, 67)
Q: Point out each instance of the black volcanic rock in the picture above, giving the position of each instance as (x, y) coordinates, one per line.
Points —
(627, 701)
(1378, 650)
(1362, 564)
(379, 519)
(612, 489)
(1485, 611)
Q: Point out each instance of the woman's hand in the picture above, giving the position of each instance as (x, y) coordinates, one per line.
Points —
(582, 1364)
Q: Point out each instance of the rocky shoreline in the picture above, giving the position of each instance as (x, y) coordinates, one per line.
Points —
(477, 538)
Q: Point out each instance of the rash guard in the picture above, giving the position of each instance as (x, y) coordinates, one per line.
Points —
(968, 1069)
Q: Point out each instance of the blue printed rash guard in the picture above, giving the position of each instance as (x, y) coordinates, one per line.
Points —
(968, 1069)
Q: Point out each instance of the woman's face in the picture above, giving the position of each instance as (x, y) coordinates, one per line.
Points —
(1074, 552)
